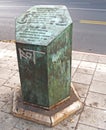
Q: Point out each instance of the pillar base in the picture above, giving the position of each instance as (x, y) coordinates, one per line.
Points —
(46, 117)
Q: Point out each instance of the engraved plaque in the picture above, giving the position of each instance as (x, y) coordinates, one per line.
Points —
(41, 24)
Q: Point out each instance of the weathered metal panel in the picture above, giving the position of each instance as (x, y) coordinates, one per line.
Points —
(32, 62)
(59, 66)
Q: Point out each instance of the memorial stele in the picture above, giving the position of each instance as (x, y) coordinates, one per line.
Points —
(44, 51)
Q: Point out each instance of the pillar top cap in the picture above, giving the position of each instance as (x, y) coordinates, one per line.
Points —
(41, 24)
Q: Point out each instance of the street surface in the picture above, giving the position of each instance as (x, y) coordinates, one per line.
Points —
(89, 21)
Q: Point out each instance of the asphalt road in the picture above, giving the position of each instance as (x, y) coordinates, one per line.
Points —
(88, 36)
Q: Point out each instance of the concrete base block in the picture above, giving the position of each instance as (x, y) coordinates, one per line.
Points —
(47, 117)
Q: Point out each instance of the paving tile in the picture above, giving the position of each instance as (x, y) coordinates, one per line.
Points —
(6, 73)
(94, 117)
(10, 53)
(2, 45)
(98, 86)
(2, 53)
(7, 121)
(102, 59)
(7, 107)
(77, 55)
(100, 76)
(8, 60)
(90, 57)
(11, 46)
(23, 124)
(4, 65)
(85, 127)
(1, 104)
(82, 89)
(85, 70)
(7, 53)
(2, 116)
(82, 78)
(96, 100)
(14, 81)
(75, 63)
(15, 129)
(89, 65)
(101, 68)
(35, 127)
(5, 94)
(10, 65)
(1, 82)
(13, 66)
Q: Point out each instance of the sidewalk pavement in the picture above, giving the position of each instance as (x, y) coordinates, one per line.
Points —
(88, 77)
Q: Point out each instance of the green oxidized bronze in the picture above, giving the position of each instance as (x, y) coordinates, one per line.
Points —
(44, 46)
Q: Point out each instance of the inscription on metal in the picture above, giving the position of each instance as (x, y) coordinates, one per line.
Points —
(41, 24)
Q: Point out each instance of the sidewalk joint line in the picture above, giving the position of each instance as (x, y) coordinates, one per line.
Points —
(92, 126)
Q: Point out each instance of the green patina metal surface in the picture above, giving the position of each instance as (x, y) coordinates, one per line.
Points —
(44, 46)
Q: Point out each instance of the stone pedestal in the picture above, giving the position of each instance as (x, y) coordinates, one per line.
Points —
(46, 117)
